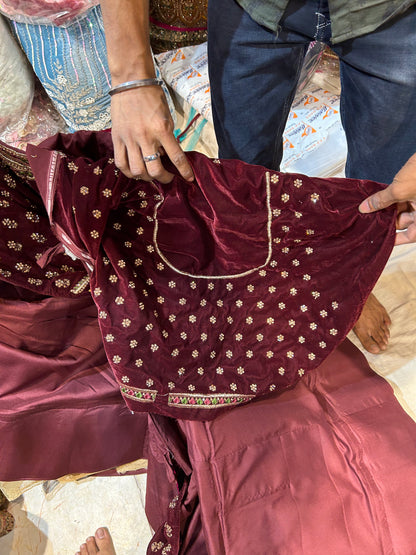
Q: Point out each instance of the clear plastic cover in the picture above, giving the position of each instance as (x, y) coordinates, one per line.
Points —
(46, 12)
(16, 83)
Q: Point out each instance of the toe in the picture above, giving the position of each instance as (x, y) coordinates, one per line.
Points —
(104, 542)
(91, 546)
(379, 336)
(366, 340)
(371, 346)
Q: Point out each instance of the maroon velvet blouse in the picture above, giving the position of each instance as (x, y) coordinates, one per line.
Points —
(209, 293)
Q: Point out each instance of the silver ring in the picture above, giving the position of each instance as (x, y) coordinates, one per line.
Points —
(151, 157)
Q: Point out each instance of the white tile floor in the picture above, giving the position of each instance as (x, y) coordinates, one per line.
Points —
(58, 522)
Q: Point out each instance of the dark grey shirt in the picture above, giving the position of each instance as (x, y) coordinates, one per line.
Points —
(349, 19)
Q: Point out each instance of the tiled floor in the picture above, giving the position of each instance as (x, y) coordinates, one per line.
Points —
(58, 522)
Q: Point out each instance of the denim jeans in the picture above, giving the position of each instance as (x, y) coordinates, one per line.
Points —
(254, 74)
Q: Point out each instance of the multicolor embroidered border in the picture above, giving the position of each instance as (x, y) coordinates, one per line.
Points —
(81, 285)
(197, 401)
(186, 400)
(144, 395)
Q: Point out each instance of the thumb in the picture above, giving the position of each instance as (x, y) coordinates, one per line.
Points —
(378, 201)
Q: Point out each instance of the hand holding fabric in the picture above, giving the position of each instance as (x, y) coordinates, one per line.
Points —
(403, 192)
(142, 126)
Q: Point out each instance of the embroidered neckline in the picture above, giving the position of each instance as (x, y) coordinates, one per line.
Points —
(228, 276)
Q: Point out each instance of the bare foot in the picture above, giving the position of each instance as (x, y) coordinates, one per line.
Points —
(372, 327)
(101, 543)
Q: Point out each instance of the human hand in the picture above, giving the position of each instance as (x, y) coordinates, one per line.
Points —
(403, 192)
(142, 126)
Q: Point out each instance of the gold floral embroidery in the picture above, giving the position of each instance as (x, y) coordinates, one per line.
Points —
(73, 167)
(10, 224)
(38, 237)
(25, 268)
(14, 245)
(34, 281)
(32, 217)
(62, 283)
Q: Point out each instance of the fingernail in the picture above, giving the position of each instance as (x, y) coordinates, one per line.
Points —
(364, 207)
(101, 533)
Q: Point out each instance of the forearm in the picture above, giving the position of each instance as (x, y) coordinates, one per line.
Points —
(126, 24)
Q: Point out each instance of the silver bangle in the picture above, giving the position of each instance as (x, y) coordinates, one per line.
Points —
(134, 85)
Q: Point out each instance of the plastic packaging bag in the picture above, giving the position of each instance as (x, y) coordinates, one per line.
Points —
(16, 82)
(314, 141)
(46, 12)
(42, 122)
(186, 71)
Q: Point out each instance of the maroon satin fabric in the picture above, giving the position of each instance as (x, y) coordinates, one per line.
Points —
(216, 292)
(327, 467)
(60, 409)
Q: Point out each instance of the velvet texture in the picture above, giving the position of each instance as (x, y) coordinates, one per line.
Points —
(212, 293)
(327, 467)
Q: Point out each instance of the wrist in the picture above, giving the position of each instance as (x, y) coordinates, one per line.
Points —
(129, 71)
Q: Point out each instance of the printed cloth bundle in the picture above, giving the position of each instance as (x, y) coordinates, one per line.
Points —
(209, 293)
(71, 63)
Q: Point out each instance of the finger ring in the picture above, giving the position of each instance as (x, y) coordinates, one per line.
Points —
(151, 157)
